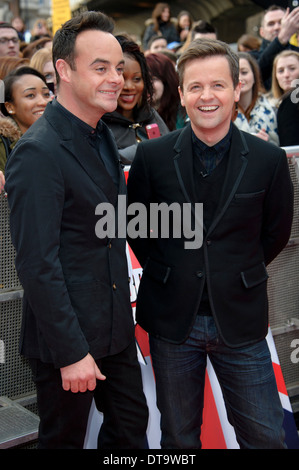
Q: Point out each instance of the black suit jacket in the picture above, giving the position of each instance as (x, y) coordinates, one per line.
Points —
(76, 290)
(250, 227)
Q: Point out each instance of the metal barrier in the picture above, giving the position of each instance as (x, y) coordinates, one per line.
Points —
(16, 386)
(283, 289)
(18, 424)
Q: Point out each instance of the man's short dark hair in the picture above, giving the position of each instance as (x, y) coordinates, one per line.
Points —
(154, 38)
(65, 38)
(274, 8)
(7, 26)
(271, 8)
(202, 27)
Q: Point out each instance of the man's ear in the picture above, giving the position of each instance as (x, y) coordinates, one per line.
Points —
(238, 92)
(63, 70)
(181, 96)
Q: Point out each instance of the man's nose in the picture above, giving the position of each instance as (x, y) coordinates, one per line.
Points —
(206, 92)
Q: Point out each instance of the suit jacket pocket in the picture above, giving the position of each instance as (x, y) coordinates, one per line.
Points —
(255, 275)
(85, 286)
(92, 306)
(156, 270)
(249, 198)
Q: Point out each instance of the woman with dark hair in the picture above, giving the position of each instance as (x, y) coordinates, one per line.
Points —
(184, 25)
(166, 98)
(162, 24)
(134, 110)
(255, 113)
(26, 97)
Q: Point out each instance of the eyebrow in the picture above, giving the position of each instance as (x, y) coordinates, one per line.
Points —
(105, 61)
(220, 80)
(34, 88)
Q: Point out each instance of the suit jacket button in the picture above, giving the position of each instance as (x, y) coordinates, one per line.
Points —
(209, 242)
(114, 286)
(199, 274)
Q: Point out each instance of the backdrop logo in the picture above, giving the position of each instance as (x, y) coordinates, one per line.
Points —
(158, 221)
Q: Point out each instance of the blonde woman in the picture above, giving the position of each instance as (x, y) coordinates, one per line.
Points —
(285, 71)
(42, 61)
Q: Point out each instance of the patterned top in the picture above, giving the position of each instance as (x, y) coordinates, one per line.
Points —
(262, 116)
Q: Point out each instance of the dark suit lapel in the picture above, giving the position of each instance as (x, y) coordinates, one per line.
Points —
(93, 165)
(237, 162)
(183, 162)
(84, 153)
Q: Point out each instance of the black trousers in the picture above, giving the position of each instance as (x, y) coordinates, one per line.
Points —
(64, 414)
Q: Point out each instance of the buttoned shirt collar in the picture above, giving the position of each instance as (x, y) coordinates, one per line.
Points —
(83, 127)
(210, 157)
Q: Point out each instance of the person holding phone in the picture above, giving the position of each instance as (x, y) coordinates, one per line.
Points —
(134, 110)
(277, 28)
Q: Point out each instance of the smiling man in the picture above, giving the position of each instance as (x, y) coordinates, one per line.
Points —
(77, 329)
(212, 301)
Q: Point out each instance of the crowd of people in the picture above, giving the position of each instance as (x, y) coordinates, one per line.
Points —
(94, 98)
(270, 68)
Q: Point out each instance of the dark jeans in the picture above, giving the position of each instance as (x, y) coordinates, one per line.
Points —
(64, 414)
(246, 378)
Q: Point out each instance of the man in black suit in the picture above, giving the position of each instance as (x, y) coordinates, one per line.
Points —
(211, 300)
(77, 328)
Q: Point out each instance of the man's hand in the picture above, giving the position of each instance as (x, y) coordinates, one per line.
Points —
(289, 25)
(81, 375)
